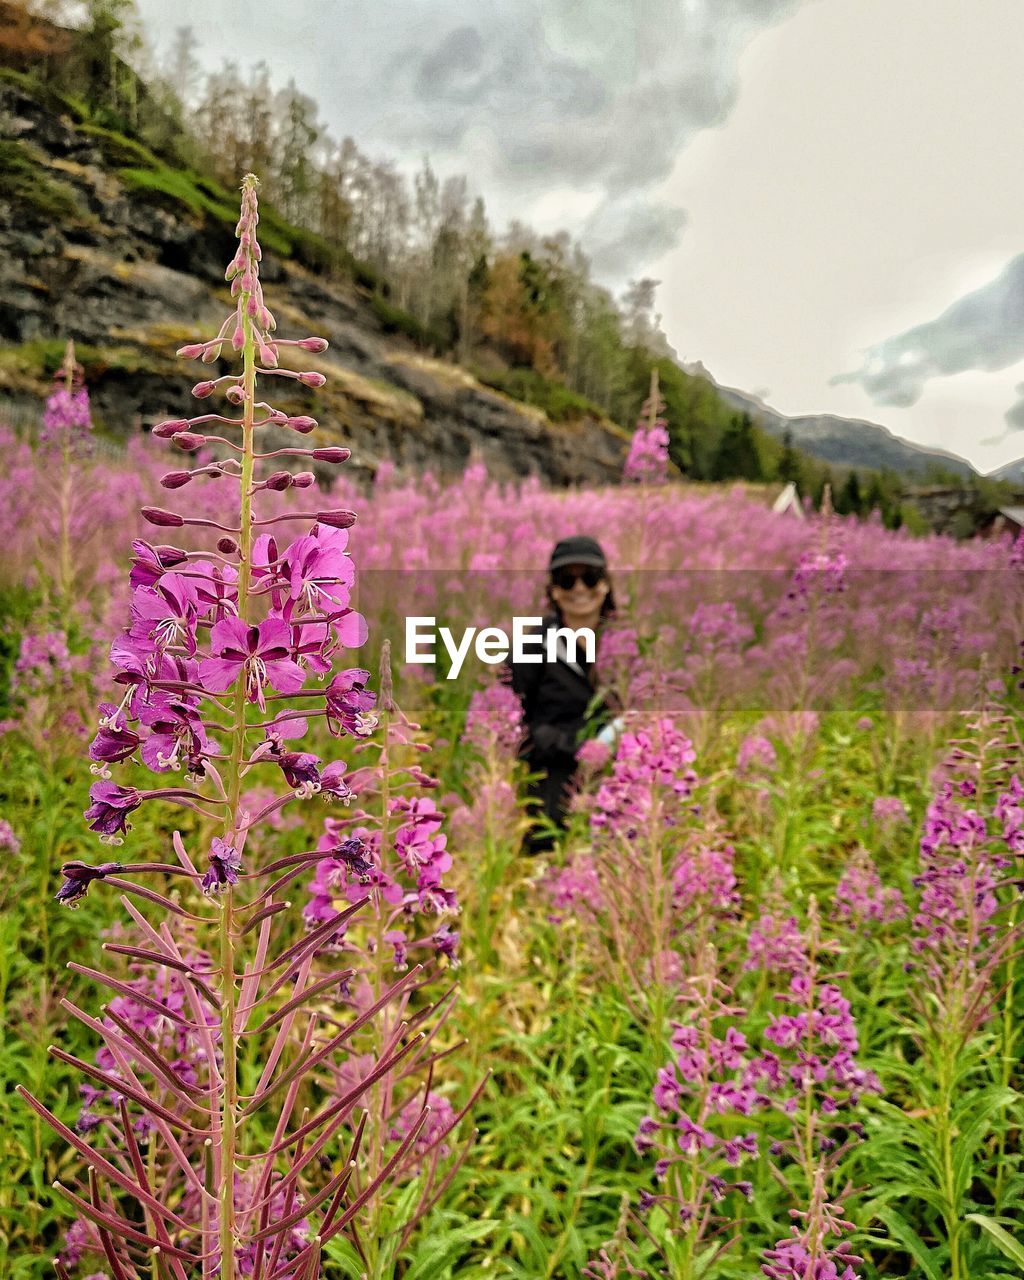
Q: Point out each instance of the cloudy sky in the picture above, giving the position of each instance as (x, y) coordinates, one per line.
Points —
(830, 191)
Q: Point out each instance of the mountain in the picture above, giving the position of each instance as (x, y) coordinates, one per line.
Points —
(842, 442)
(1011, 472)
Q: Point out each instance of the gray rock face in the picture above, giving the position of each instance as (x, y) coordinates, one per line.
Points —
(136, 275)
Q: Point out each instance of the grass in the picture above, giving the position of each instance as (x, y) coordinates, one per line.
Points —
(28, 183)
(530, 387)
(42, 357)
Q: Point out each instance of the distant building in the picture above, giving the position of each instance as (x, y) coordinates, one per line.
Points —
(788, 503)
(1006, 520)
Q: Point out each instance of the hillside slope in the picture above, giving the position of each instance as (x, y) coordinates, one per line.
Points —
(100, 243)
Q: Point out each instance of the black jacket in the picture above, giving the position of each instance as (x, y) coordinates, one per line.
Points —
(555, 698)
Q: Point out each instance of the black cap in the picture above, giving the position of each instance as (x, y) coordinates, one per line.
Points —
(578, 550)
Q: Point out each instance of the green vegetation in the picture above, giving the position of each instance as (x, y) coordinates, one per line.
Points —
(530, 387)
(30, 183)
(42, 357)
(395, 320)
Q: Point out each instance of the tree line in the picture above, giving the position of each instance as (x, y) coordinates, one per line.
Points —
(519, 309)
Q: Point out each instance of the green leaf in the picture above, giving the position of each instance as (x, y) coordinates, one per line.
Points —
(905, 1235)
(965, 1146)
(1000, 1237)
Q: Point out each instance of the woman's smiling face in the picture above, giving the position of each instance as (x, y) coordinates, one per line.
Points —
(579, 591)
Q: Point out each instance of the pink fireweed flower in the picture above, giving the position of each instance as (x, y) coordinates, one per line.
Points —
(494, 721)
(78, 877)
(261, 653)
(318, 571)
(350, 703)
(889, 812)
(775, 944)
(177, 735)
(647, 460)
(225, 864)
(704, 882)
(807, 1253)
(962, 863)
(811, 1074)
(431, 1136)
(574, 889)
(67, 418)
(646, 760)
(167, 613)
(756, 755)
(111, 805)
(701, 1100)
(861, 897)
(593, 754)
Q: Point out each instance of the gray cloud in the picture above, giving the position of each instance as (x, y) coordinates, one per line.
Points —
(629, 230)
(597, 93)
(982, 330)
(1015, 414)
(529, 96)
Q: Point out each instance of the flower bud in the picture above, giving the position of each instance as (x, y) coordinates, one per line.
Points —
(337, 519)
(192, 351)
(303, 480)
(235, 394)
(315, 345)
(170, 556)
(171, 427)
(386, 686)
(157, 515)
(302, 424)
(278, 481)
(189, 441)
(312, 379)
(227, 546)
(175, 479)
(203, 389)
(237, 338)
(332, 455)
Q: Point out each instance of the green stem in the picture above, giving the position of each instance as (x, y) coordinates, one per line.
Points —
(226, 949)
(380, 1091)
(944, 1132)
(1008, 1037)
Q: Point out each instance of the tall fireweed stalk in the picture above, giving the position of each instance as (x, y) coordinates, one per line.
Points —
(395, 860)
(199, 1160)
(65, 432)
(946, 1140)
(702, 1131)
(646, 830)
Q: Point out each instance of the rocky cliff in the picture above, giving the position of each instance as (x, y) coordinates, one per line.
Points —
(99, 244)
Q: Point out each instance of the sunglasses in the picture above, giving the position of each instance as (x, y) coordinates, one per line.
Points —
(566, 578)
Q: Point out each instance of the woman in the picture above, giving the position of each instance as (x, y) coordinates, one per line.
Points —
(557, 696)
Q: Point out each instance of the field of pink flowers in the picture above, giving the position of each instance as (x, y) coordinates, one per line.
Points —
(314, 1013)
